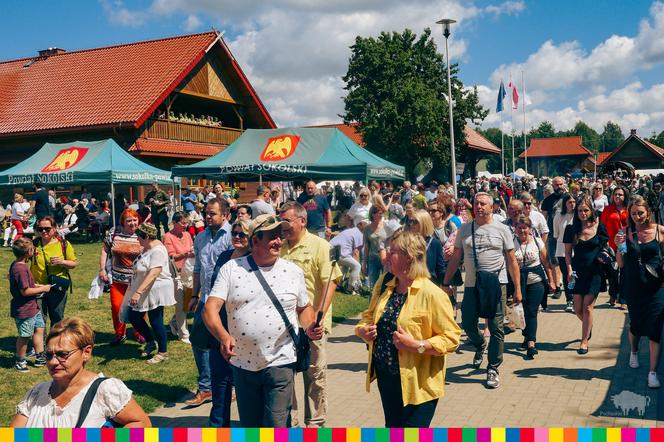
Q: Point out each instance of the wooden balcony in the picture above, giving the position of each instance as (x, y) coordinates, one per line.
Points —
(175, 130)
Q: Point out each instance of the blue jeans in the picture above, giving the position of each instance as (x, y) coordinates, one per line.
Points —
(374, 269)
(222, 388)
(157, 332)
(202, 358)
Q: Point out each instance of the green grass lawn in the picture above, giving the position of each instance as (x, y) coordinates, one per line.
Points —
(152, 385)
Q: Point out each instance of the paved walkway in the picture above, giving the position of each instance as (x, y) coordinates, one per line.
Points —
(558, 389)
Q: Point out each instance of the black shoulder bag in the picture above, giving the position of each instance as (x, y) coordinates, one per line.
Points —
(300, 339)
(87, 403)
(487, 287)
(649, 273)
(199, 335)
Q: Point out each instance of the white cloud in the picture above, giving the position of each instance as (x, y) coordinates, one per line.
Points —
(119, 14)
(192, 23)
(508, 8)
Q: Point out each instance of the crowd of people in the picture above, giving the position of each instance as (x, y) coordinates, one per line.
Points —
(260, 278)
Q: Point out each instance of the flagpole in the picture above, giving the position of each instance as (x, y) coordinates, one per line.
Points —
(525, 150)
(502, 145)
(512, 125)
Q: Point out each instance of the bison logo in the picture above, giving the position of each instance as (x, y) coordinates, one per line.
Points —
(280, 148)
(66, 159)
(627, 401)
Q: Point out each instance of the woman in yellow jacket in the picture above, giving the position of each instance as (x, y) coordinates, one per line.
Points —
(409, 328)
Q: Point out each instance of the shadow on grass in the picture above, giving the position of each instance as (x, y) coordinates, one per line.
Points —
(161, 392)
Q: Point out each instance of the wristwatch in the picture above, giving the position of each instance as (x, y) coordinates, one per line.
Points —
(420, 348)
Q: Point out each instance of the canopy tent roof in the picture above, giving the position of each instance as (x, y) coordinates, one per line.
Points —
(316, 153)
(82, 162)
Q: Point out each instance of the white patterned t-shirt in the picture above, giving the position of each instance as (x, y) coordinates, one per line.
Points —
(261, 337)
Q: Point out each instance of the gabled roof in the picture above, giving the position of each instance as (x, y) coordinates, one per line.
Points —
(602, 156)
(656, 150)
(476, 141)
(556, 147)
(102, 87)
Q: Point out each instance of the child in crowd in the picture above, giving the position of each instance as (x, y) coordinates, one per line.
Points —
(24, 307)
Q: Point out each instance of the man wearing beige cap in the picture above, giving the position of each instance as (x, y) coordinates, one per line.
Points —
(257, 344)
(312, 254)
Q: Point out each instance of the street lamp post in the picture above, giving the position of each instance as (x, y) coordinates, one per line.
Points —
(446, 22)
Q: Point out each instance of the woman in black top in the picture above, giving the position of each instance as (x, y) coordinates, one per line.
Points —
(641, 265)
(583, 240)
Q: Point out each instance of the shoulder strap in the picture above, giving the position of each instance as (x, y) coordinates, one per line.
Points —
(386, 279)
(273, 298)
(87, 401)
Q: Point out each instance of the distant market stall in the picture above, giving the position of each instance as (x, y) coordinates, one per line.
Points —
(291, 153)
(83, 162)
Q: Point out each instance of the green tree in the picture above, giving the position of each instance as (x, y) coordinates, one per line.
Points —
(544, 130)
(611, 137)
(657, 139)
(397, 92)
(589, 136)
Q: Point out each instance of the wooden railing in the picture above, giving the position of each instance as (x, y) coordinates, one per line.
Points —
(175, 130)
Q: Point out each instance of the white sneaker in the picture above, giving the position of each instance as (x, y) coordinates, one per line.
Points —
(653, 382)
(633, 360)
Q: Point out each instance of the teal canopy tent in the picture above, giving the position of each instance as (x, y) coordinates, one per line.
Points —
(316, 153)
(82, 162)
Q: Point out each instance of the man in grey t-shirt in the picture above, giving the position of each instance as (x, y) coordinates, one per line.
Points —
(495, 253)
(261, 205)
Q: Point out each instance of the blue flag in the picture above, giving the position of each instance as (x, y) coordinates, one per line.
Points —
(501, 95)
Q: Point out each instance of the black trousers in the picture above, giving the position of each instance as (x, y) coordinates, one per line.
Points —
(396, 414)
(569, 297)
(264, 397)
(52, 305)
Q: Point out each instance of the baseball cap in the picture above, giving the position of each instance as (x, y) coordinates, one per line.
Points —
(266, 223)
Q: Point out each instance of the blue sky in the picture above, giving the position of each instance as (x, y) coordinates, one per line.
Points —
(590, 60)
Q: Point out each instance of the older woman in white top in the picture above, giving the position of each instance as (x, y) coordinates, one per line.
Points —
(150, 291)
(360, 210)
(561, 220)
(58, 403)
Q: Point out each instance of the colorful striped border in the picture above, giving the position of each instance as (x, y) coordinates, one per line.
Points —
(332, 435)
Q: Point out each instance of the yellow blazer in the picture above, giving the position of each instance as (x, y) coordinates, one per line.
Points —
(427, 314)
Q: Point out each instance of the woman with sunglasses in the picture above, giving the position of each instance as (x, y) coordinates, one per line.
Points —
(359, 211)
(614, 217)
(54, 257)
(221, 374)
(420, 223)
(150, 291)
(642, 263)
(180, 247)
(121, 246)
(375, 246)
(58, 403)
(600, 201)
(583, 240)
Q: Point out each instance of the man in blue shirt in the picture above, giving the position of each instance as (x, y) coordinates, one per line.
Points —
(188, 200)
(319, 214)
(208, 245)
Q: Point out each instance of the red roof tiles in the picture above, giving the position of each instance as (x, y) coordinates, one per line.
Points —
(99, 87)
(476, 141)
(179, 149)
(601, 157)
(556, 147)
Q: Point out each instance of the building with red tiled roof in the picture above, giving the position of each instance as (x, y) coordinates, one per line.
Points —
(640, 153)
(170, 100)
(547, 156)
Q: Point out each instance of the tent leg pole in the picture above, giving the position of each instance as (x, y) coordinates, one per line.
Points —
(113, 203)
(260, 179)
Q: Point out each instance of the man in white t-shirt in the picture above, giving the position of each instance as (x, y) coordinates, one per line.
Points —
(261, 205)
(257, 343)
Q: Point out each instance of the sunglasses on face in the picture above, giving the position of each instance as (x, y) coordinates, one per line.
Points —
(240, 235)
(44, 229)
(61, 355)
(527, 204)
(433, 210)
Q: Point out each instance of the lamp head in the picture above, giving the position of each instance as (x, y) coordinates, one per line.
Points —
(446, 22)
